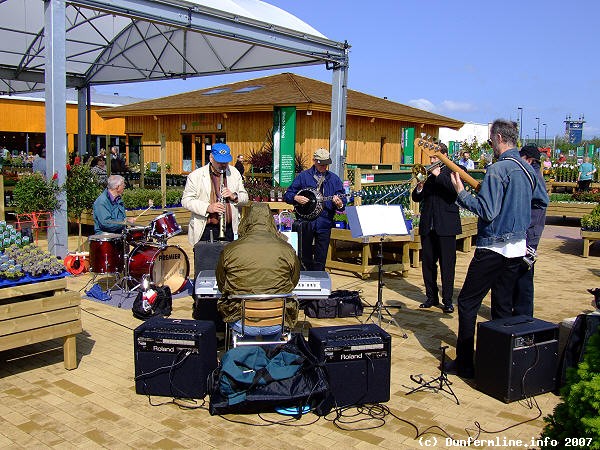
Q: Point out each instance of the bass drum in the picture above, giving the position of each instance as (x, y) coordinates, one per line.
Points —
(167, 265)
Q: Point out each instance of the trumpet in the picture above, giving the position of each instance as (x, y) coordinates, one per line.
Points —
(222, 215)
(421, 172)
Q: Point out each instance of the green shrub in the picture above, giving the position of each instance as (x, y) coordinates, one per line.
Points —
(82, 190)
(138, 198)
(555, 197)
(34, 193)
(586, 196)
(579, 414)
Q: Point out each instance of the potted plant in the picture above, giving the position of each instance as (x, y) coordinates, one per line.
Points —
(340, 220)
(33, 193)
(82, 190)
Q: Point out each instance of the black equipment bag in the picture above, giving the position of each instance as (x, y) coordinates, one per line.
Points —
(253, 378)
(324, 308)
(161, 306)
(349, 303)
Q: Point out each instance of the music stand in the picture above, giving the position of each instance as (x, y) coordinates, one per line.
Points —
(378, 220)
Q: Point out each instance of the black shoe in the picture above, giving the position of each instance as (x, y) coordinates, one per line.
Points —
(428, 304)
(448, 308)
(451, 368)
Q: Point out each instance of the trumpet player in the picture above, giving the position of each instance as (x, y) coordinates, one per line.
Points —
(212, 194)
(439, 225)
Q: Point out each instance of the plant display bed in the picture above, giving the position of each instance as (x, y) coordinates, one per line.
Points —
(359, 255)
(589, 237)
(38, 312)
(569, 209)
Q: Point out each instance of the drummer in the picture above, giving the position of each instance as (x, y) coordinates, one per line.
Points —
(109, 210)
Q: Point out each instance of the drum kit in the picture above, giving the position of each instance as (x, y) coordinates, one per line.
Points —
(141, 252)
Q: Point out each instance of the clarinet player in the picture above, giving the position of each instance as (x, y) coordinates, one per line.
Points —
(212, 194)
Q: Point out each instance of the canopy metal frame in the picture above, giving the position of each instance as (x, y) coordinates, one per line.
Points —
(78, 44)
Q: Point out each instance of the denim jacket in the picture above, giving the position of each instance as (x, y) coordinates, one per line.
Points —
(505, 200)
(331, 186)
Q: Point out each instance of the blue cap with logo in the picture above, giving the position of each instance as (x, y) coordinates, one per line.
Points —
(221, 153)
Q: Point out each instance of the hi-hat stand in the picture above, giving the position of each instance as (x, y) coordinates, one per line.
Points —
(443, 384)
(125, 280)
(379, 308)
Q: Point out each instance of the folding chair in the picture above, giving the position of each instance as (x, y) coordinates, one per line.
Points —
(263, 316)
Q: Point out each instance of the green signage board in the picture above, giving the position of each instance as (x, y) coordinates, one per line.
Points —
(409, 145)
(591, 150)
(580, 151)
(284, 145)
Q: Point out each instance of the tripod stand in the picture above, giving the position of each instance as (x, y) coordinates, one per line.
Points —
(443, 384)
(379, 308)
(123, 281)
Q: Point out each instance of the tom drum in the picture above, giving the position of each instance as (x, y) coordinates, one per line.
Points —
(136, 235)
(164, 226)
(106, 253)
(167, 265)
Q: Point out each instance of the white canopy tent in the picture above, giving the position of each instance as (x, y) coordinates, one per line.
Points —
(55, 44)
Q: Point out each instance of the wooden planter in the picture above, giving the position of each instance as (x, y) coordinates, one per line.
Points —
(38, 312)
(569, 209)
(588, 239)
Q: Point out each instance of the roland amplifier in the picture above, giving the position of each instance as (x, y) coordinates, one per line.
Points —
(173, 357)
(357, 362)
(516, 357)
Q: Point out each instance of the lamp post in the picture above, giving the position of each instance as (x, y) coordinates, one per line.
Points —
(537, 138)
(535, 134)
(520, 108)
(545, 129)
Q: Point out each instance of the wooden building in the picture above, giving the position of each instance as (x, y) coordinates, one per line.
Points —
(23, 124)
(241, 114)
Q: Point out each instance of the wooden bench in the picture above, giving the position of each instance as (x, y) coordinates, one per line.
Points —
(38, 312)
(569, 209)
(589, 237)
(357, 255)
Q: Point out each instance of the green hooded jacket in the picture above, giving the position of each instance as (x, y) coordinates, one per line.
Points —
(260, 261)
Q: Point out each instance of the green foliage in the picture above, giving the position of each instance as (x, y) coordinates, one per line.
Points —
(34, 193)
(82, 190)
(592, 196)
(560, 197)
(579, 414)
(138, 198)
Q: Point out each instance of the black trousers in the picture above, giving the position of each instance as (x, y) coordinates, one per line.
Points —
(312, 245)
(523, 295)
(487, 270)
(212, 229)
(436, 248)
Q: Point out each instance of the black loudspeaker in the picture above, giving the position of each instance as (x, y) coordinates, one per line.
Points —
(173, 357)
(516, 357)
(357, 362)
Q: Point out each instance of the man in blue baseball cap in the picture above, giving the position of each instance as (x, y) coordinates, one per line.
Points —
(213, 194)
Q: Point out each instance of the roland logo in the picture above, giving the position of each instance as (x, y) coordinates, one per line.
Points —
(351, 356)
(159, 348)
(166, 257)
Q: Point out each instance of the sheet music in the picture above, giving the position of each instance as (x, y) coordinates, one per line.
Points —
(375, 220)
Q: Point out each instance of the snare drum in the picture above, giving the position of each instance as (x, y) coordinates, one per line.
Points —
(136, 235)
(106, 253)
(164, 226)
(167, 265)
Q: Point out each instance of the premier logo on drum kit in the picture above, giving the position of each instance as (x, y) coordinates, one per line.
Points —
(165, 265)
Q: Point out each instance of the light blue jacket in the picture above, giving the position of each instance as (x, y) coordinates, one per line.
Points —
(106, 212)
(505, 200)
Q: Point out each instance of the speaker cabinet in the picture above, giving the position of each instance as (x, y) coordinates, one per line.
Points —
(357, 362)
(173, 357)
(516, 357)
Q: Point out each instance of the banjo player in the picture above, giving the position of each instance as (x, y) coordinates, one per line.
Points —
(316, 194)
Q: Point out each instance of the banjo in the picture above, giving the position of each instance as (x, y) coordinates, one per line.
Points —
(314, 206)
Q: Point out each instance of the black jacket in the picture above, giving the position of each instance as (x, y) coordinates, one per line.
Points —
(438, 207)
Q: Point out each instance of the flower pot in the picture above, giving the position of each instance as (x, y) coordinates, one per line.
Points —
(339, 224)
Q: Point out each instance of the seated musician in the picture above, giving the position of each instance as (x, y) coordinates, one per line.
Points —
(318, 229)
(260, 261)
(109, 210)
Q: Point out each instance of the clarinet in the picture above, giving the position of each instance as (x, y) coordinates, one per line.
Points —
(222, 216)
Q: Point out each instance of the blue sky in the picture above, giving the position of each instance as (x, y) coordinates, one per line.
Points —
(470, 60)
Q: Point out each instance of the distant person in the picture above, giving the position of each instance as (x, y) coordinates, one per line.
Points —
(99, 169)
(586, 174)
(466, 161)
(39, 163)
(523, 294)
(239, 164)
(4, 151)
(117, 164)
